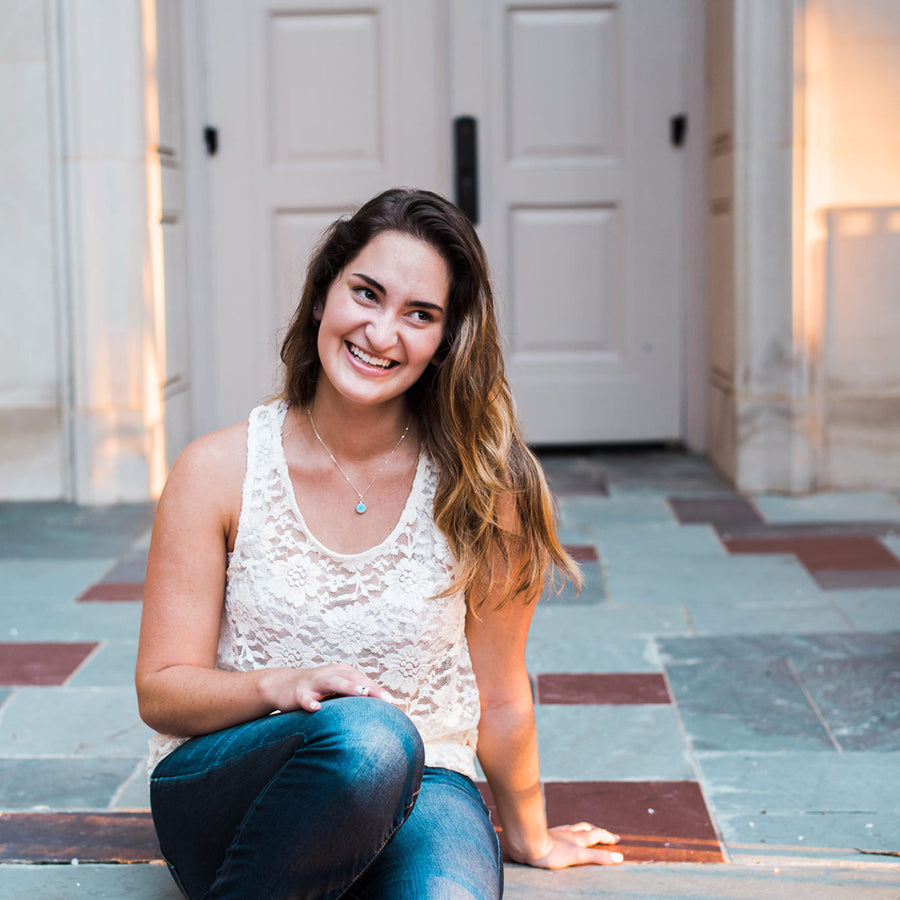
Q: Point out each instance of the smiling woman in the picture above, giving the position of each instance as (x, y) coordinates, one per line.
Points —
(321, 680)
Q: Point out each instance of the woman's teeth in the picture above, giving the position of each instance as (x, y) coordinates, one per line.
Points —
(369, 360)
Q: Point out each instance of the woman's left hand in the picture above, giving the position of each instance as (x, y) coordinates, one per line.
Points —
(573, 845)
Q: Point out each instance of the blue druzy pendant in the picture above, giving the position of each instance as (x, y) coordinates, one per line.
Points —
(360, 507)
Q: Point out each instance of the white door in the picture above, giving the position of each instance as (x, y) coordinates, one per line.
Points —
(319, 106)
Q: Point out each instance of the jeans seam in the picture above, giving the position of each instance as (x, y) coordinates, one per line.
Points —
(155, 779)
(407, 809)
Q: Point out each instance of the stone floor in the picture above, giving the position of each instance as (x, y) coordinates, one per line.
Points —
(724, 693)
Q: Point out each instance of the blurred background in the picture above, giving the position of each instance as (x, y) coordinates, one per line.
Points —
(691, 208)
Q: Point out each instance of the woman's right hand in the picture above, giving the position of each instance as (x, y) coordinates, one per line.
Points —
(289, 689)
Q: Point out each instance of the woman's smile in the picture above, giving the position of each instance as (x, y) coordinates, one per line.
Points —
(367, 358)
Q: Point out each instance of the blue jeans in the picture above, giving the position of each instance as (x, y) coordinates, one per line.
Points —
(335, 803)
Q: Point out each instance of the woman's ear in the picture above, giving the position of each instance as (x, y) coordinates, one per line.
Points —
(317, 310)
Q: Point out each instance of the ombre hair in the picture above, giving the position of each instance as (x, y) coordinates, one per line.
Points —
(492, 502)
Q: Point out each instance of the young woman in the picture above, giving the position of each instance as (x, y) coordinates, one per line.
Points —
(339, 592)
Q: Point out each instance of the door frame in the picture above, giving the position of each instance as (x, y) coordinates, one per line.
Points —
(694, 405)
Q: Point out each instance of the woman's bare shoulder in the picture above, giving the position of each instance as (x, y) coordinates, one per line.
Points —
(212, 466)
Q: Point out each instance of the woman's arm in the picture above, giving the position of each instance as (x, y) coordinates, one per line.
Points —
(507, 745)
(179, 689)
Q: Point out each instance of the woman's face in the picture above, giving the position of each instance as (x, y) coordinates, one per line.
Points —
(384, 318)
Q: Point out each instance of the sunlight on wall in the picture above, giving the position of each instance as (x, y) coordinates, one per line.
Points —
(154, 348)
(846, 216)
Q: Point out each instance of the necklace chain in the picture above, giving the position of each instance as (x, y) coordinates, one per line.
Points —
(361, 506)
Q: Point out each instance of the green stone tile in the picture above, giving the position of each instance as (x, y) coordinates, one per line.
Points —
(796, 783)
(24, 582)
(610, 743)
(736, 700)
(110, 665)
(97, 882)
(69, 621)
(664, 543)
(764, 579)
(135, 792)
(64, 721)
(737, 616)
(892, 542)
(701, 881)
(875, 609)
(561, 641)
(613, 621)
(825, 834)
(828, 507)
(855, 682)
(62, 783)
(604, 513)
(64, 530)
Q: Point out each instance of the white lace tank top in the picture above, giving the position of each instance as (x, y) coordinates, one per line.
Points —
(290, 601)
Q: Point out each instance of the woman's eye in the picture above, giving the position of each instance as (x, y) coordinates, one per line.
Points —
(366, 293)
(422, 316)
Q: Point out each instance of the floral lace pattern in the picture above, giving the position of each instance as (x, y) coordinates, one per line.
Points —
(290, 601)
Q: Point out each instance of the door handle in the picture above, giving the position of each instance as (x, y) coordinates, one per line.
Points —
(465, 144)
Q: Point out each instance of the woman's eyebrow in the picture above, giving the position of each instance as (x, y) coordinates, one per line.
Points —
(424, 304)
(371, 282)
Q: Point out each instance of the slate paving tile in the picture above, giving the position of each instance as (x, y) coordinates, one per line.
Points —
(637, 471)
(64, 721)
(41, 663)
(858, 696)
(592, 591)
(660, 544)
(619, 688)
(823, 835)
(828, 507)
(69, 621)
(873, 609)
(766, 617)
(64, 530)
(33, 584)
(95, 881)
(740, 702)
(62, 783)
(134, 793)
(795, 783)
(111, 665)
(562, 639)
(131, 567)
(569, 473)
(614, 743)
(605, 513)
(87, 837)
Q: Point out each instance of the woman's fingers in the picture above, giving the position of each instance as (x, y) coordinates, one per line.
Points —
(586, 834)
(342, 681)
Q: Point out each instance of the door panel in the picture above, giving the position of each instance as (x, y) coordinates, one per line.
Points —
(584, 197)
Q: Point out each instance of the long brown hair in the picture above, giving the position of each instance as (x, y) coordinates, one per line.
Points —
(488, 477)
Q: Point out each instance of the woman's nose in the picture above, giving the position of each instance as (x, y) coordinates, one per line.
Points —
(381, 331)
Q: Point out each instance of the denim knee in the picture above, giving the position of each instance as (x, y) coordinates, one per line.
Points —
(372, 744)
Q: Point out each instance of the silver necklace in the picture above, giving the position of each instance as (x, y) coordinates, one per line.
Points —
(361, 506)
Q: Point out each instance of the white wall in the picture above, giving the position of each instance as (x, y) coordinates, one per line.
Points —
(32, 367)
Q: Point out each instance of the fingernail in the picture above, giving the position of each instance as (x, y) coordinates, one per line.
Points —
(617, 857)
(362, 689)
(314, 705)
